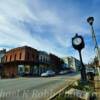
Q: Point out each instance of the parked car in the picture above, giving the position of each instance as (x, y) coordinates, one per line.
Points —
(48, 73)
(63, 72)
(71, 71)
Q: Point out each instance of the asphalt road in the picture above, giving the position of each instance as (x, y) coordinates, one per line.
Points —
(33, 88)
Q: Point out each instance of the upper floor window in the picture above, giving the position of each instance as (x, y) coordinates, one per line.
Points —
(27, 56)
(10, 57)
(33, 56)
(15, 57)
(20, 55)
(5, 58)
(40, 58)
(46, 60)
(43, 59)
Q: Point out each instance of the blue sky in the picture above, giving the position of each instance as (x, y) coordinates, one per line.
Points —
(49, 25)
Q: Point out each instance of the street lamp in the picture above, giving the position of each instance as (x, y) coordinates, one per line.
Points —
(78, 44)
(90, 20)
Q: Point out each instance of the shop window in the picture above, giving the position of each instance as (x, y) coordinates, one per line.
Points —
(27, 70)
(21, 69)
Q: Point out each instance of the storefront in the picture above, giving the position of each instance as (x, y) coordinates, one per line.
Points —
(9, 71)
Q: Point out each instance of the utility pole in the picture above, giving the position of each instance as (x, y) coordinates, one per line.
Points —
(90, 20)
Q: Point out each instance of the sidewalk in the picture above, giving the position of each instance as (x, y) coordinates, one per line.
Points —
(97, 86)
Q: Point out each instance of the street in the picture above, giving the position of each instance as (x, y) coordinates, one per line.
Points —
(33, 88)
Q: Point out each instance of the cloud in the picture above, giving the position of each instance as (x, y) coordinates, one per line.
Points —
(44, 25)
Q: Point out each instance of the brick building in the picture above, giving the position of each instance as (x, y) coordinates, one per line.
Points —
(20, 61)
(44, 62)
(27, 61)
(55, 63)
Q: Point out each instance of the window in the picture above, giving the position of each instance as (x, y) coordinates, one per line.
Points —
(20, 56)
(6, 58)
(26, 70)
(44, 59)
(15, 57)
(10, 58)
(40, 58)
(21, 69)
(33, 56)
(27, 56)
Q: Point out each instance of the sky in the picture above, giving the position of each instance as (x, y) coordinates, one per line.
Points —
(49, 25)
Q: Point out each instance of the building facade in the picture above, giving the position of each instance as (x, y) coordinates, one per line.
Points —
(20, 61)
(72, 63)
(55, 63)
(65, 62)
(27, 61)
(2, 53)
(44, 62)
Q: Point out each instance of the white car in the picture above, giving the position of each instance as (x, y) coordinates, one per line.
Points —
(48, 73)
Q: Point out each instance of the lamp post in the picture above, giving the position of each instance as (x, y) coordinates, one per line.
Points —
(90, 20)
(78, 44)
